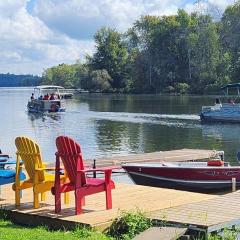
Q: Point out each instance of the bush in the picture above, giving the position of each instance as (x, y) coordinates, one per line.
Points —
(169, 89)
(100, 80)
(129, 224)
(227, 234)
(182, 88)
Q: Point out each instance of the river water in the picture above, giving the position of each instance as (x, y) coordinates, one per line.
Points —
(107, 125)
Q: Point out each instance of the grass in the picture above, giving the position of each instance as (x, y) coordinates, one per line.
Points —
(226, 235)
(128, 225)
(10, 231)
(125, 227)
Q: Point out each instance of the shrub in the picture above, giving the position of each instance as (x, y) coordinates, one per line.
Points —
(225, 235)
(182, 88)
(129, 224)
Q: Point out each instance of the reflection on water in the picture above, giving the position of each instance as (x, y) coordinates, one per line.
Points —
(43, 116)
(221, 131)
(116, 124)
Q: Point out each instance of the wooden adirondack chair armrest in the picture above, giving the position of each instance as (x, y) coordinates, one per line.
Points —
(107, 172)
(95, 170)
(46, 169)
(101, 169)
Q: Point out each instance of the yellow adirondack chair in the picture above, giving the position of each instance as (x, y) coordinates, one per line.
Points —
(39, 179)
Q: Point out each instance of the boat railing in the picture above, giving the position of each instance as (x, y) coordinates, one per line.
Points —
(216, 107)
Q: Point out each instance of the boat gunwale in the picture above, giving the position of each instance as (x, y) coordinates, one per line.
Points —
(158, 165)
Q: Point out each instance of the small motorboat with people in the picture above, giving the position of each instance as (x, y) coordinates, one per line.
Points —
(224, 112)
(213, 175)
(46, 98)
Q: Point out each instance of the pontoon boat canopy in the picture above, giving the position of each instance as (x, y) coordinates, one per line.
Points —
(42, 87)
(231, 86)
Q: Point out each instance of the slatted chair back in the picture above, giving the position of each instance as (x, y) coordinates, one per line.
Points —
(71, 155)
(30, 154)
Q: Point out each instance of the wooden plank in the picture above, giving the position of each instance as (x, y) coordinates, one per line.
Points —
(211, 213)
(169, 156)
(163, 233)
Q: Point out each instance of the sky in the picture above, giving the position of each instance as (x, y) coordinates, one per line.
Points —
(38, 34)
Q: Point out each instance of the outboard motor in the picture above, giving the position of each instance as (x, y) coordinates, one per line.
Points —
(238, 155)
(221, 155)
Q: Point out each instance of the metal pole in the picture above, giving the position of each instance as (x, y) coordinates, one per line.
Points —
(94, 167)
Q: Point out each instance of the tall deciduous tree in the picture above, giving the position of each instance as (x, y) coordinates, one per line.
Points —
(111, 54)
(63, 75)
(230, 36)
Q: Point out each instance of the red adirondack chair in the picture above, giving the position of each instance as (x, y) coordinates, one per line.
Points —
(71, 156)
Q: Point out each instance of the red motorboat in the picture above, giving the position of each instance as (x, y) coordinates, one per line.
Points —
(214, 175)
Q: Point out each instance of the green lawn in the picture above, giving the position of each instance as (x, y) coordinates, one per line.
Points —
(10, 231)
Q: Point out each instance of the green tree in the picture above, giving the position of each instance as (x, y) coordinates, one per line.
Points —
(230, 37)
(100, 80)
(63, 75)
(204, 53)
(111, 54)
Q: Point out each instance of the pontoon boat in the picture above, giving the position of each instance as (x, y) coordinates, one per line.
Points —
(224, 112)
(46, 98)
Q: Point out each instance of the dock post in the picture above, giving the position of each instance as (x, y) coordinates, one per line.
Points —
(94, 166)
(233, 184)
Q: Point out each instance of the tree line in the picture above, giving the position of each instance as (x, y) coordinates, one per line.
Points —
(182, 53)
(13, 80)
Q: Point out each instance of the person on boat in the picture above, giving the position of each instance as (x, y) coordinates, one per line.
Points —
(218, 102)
(32, 96)
(40, 98)
(46, 97)
(231, 101)
(52, 96)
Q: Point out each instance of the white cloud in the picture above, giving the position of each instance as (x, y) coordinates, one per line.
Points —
(82, 18)
(214, 7)
(27, 45)
(57, 31)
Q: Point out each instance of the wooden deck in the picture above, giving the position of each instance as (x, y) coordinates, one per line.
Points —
(197, 211)
(125, 197)
(169, 156)
(208, 215)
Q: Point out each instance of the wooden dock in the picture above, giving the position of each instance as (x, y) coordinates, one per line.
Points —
(195, 211)
(125, 197)
(208, 215)
(168, 156)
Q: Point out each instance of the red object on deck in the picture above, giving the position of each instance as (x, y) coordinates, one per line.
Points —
(216, 163)
(71, 156)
